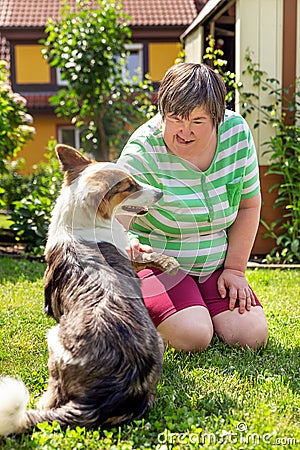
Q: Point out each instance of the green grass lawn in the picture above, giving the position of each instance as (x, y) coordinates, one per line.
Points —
(223, 398)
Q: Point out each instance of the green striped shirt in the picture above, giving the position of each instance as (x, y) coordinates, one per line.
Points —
(190, 221)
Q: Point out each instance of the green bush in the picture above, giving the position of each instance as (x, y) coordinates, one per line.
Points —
(15, 123)
(215, 58)
(14, 185)
(31, 214)
(283, 114)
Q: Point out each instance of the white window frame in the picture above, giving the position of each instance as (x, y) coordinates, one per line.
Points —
(76, 134)
(59, 80)
(139, 49)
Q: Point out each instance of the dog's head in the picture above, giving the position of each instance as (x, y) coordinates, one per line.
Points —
(103, 188)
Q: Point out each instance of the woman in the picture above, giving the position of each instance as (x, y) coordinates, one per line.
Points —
(203, 159)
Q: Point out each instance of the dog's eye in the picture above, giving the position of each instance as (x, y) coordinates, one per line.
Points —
(117, 187)
(131, 187)
(127, 187)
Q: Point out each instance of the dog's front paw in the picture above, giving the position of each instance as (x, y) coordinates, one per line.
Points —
(158, 260)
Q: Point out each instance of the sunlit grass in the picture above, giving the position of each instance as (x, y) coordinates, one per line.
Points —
(223, 398)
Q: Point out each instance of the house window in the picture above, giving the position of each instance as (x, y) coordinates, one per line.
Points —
(134, 66)
(70, 136)
(59, 79)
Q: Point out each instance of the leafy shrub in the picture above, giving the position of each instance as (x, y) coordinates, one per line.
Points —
(31, 214)
(283, 114)
(215, 58)
(14, 185)
(15, 123)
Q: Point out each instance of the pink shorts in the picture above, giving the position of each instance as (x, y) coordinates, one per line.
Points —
(165, 294)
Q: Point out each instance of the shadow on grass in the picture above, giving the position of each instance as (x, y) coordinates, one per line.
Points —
(14, 270)
(192, 379)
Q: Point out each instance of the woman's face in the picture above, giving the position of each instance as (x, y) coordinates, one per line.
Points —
(188, 137)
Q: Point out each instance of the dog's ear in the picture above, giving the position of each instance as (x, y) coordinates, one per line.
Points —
(71, 158)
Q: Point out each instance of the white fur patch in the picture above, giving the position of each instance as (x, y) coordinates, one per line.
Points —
(104, 231)
(14, 398)
(58, 351)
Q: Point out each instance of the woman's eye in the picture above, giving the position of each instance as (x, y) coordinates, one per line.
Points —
(174, 119)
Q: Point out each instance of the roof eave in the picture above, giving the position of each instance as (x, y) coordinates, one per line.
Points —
(16, 33)
(206, 12)
(157, 32)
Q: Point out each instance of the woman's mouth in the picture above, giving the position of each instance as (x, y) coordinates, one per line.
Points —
(183, 141)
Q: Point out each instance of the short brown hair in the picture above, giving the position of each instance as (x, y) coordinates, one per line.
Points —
(187, 86)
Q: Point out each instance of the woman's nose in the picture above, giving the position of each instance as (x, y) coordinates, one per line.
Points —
(185, 127)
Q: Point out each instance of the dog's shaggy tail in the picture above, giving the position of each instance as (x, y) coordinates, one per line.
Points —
(14, 398)
(14, 418)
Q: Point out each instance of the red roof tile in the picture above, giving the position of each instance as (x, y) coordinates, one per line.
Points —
(160, 12)
(35, 13)
(38, 101)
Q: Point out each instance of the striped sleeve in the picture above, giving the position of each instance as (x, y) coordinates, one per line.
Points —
(140, 164)
(251, 185)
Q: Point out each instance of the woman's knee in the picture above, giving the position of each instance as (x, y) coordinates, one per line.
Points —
(188, 330)
(249, 329)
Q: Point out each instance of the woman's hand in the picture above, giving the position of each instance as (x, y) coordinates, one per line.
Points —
(234, 283)
(136, 247)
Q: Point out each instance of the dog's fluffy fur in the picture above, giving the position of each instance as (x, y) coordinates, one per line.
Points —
(105, 355)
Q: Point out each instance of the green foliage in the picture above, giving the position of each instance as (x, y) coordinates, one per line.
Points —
(31, 214)
(215, 57)
(283, 148)
(14, 184)
(15, 127)
(88, 45)
(222, 398)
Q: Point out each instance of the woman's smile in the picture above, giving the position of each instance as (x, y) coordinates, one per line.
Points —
(183, 141)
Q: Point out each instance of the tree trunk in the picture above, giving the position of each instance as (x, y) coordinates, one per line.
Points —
(103, 152)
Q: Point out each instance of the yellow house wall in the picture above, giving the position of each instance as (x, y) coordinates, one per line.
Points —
(31, 68)
(33, 152)
(161, 57)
